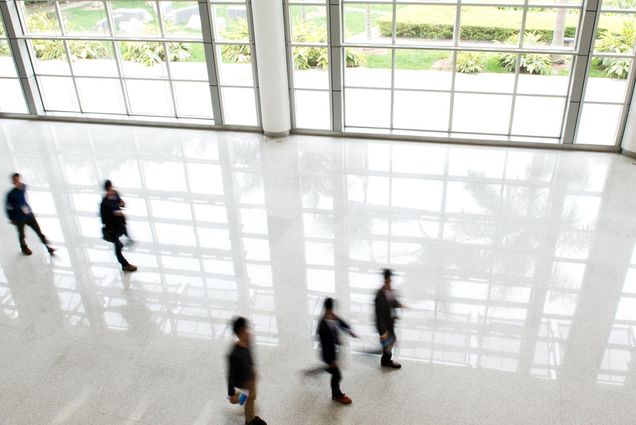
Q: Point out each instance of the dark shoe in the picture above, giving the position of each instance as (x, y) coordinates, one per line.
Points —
(256, 421)
(129, 268)
(343, 399)
(391, 364)
(51, 251)
(26, 251)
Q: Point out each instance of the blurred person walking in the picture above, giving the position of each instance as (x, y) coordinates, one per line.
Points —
(386, 304)
(20, 214)
(114, 223)
(329, 334)
(241, 381)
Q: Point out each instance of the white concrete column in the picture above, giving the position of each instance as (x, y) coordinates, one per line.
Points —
(269, 37)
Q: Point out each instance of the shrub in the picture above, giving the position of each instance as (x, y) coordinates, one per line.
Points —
(616, 43)
(467, 32)
(469, 63)
(530, 63)
(4, 48)
(152, 53)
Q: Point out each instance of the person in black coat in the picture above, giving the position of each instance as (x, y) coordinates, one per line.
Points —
(241, 372)
(114, 223)
(386, 304)
(20, 214)
(329, 335)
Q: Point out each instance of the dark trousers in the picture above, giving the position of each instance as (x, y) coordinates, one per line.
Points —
(33, 224)
(336, 377)
(118, 248)
(387, 352)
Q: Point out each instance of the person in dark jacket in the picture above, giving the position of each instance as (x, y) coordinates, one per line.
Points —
(329, 335)
(386, 304)
(20, 214)
(114, 223)
(241, 373)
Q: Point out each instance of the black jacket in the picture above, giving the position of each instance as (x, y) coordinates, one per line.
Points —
(17, 207)
(329, 338)
(240, 368)
(384, 315)
(114, 225)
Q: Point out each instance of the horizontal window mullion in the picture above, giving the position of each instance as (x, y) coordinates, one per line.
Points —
(460, 48)
(107, 38)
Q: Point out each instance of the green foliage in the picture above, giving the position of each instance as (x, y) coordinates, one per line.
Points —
(616, 43)
(530, 63)
(469, 63)
(4, 48)
(467, 32)
(152, 53)
(236, 53)
(83, 49)
(318, 57)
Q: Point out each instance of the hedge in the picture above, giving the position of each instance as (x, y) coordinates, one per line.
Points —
(445, 32)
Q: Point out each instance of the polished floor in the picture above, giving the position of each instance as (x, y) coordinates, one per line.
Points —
(518, 267)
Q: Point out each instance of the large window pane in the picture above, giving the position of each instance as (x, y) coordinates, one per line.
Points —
(12, 99)
(136, 18)
(50, 57)
(481, 113)
(235, 65)
(492, 77)
(418, 24)
(311, 67)
(308, 24)
(187, 61)
(239, 106)
(598, 124)
(230, 23)
(368, 23)
(99, 95)
(149, 97)
(181, 19)
(551, 28)
(313, 109)
(423, 69)
(556, 82)
(607, 80)
(143, 59)
(193, 99)
(367, 108)
(7, 67)
(368, 68)
(40, 18)
(615, 33)
(93, 58)
(85, 18)
(490, 25)
(58, 94)
(421, 110)
(538, 116)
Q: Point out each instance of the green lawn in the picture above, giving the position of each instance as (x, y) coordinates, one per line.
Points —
(424, 60)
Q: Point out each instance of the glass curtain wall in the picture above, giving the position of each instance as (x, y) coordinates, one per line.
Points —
(11, 96)
(472, 69)
(609, 73)
(308, 50)
(233, 48)
(141, 58)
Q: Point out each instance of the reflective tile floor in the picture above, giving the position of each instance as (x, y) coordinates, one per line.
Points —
(518, 267)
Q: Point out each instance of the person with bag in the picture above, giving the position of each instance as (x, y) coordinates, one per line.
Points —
(329, 335)
(114, 223)
(241, 380)
(20, 214)
(386, 304)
